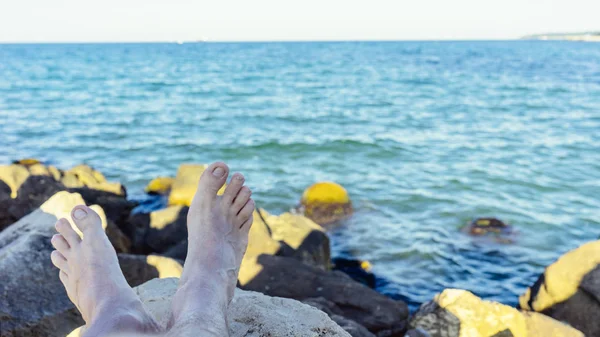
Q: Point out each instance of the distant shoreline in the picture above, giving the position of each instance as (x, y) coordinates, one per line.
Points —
(583, 37)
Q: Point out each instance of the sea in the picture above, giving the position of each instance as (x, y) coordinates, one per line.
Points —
(425, 137)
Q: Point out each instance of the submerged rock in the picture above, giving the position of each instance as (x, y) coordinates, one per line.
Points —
(289, 278)
(326, 203)
(569, 290)
(459, 313)
(249, 314)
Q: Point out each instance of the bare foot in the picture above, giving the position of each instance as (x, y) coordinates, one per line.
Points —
(218, 236)
(90, 272)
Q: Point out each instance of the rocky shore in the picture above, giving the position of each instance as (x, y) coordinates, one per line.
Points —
(288, 260)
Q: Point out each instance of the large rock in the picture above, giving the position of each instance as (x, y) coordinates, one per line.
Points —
(185, 184)
(326, 203)
(335, 313)
(33, 301)
(569, 290)
(250, 314)
(289, 278)
(459, 313)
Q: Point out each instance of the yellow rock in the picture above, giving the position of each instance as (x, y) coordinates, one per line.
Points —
(165, 266)
(87, 175)
(38, 170)
(259, 242)
(481, 318)
(13, 176)
(27, 161)
(83, 175)
(326, 203)
(325, 192)
(539, 325)
(290, 228)
(161, 218)
(160, 185)
(54, 172)
(562, 278)
(70, 180)
(185, 184)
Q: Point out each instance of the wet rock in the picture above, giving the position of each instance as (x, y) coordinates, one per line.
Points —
(250, 313)
(458, 313)
(500, 231)
(289, 278)
(569, 290)
(358, 270)
(326, 203)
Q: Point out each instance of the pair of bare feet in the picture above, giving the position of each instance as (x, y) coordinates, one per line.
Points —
(218, 236)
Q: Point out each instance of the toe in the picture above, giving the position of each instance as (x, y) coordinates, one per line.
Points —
(232, 190)
(245, 226)
(60, 244)
(58, 260)
(86, 219)
(246, 212)
(212, 179)
(240, 200)
(68, 233)
(64, 278)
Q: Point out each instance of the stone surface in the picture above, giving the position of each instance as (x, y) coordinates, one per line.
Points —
(459, 313)
(141, 268)
(335, 313)
(289, 278)
(569, 290)
(250, 314)
(185, 184)
(33, 301)
(326, 203)
(160, 185)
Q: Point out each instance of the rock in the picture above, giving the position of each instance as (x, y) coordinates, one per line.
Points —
(185, 184)
(289, 278)
(326, 203)
(33, 301)
(141, 268)
(500, 231)
(569, 290)
(358, 270)
(307, 240)
(13, 176)
(250, 314)
(158, 231)
(85, 176)
(335, 313)
(160, 185)
(459, 313)
(417, 333)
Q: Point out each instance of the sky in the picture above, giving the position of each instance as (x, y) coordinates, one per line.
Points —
(283, 20)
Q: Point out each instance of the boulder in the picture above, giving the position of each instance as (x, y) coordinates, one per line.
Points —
(459, 313)
(158, 231)
(13, 175)
(250, 314)
(185, 184)
(85, 176)
(326, 203)
(335, 313)
(289, 278)
(569, 290)
(160, 185)
(34, 302)
(141, 268)
(307, 240)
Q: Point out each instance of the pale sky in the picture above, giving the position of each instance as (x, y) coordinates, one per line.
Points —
(267, 20)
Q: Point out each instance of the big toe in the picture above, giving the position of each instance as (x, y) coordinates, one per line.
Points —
(212, 179)
(86, 219)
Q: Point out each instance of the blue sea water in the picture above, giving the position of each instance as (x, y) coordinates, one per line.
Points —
(425, 136)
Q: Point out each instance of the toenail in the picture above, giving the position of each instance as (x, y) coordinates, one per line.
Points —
(239, 177)
(79, 214)
(218, 172)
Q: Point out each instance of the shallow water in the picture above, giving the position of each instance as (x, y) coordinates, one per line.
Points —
(424, 135)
